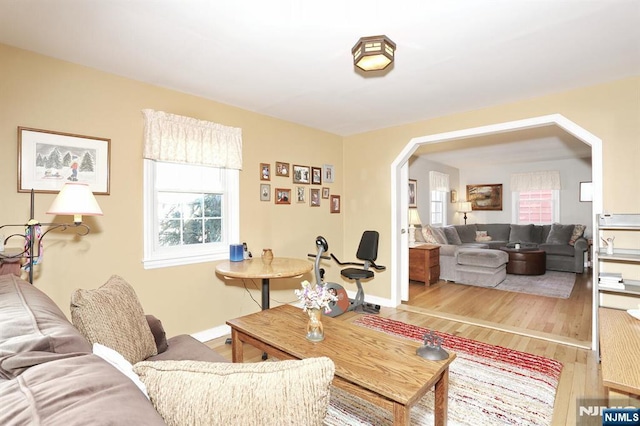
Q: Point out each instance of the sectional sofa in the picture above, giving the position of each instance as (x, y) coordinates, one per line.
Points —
(564, 245)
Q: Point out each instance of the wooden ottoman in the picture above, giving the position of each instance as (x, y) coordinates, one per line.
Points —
(526, 261)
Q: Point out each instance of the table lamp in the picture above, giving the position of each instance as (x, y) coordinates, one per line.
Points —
(414, 219)
(465, 207)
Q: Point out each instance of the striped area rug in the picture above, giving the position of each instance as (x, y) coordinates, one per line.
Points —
(488, 385)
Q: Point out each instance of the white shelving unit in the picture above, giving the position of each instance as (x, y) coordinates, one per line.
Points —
(617, 225)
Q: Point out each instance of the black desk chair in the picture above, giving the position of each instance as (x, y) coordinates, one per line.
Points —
(367, 252)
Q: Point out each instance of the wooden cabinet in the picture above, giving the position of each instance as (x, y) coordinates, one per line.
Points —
(424, 263)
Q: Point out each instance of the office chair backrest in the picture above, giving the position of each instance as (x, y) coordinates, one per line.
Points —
(368, 248)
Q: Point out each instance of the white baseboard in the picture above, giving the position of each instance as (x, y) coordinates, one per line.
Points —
(212, 333)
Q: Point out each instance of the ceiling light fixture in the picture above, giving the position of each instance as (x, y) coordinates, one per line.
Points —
(373, 53)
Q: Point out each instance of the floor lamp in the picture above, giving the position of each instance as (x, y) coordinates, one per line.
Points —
(73, 199)
(465, 207)
(414, 219)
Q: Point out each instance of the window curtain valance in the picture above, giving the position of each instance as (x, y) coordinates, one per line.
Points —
(178, 139)
(535, 181)
(438, 181)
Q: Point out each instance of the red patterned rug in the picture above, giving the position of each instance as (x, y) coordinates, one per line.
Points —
(488, 385)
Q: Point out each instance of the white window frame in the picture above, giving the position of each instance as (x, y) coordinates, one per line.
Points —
(555, 211)
(441, 198)
(160, 257)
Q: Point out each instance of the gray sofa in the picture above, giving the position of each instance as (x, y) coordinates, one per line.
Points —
(564, 244)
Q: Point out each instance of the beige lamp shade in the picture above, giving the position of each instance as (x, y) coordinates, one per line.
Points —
(75, 199)
(414, 217)
(373, 53)
(465, 207)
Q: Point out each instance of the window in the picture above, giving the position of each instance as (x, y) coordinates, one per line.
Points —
(539, 207)
(191, 213)
(438, 208)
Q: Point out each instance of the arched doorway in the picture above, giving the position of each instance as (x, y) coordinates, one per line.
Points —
(399, 195)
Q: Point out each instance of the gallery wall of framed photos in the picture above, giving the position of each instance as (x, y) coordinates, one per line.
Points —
(299, 184)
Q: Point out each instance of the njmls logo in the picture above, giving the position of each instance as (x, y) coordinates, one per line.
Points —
(602, 412)
(621, 417)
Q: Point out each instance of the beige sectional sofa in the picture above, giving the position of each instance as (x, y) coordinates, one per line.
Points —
(52, 374)
(564, 245)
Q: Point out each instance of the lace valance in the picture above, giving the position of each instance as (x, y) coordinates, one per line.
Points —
(178, 139)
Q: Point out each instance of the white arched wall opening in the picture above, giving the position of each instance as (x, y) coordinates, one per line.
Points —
(400, 197)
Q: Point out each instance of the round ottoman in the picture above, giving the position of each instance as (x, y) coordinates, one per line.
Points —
(526, 261)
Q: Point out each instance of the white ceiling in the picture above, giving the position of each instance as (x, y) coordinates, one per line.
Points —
(290, 59)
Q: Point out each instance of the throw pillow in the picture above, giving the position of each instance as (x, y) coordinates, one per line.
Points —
(520, 233)
(452, 235)
(429, 237)
(294, 392)
(112, 316)
(560, 234)
(481, 236)
(438, 232)
(578, 230)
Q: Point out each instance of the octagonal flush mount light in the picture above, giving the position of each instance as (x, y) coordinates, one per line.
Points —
(373, 53)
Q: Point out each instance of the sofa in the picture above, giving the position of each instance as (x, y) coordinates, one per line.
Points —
(54, 372)
(564, 245)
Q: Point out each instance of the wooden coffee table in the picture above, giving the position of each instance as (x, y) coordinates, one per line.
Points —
(375, 366)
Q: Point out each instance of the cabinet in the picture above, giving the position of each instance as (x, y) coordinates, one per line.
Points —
(424, 263)
(625, 229)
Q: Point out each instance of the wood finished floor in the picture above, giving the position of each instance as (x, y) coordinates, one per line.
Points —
(499, 323)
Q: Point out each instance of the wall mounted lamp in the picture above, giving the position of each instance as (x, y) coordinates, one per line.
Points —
(74, 199)
(373, 53)
(465, 207)
(414, 219)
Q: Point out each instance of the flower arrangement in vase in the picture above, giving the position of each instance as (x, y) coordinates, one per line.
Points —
(315, 298)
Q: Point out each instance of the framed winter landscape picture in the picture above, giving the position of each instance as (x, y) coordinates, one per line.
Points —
(47, 160)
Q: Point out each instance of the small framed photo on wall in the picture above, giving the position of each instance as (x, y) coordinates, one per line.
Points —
(413, 193)
(283, 196)
(328, 173)
(334, 204)
(301, 174)
(282, 169)
(300, 194)
(316, 175)
(265, 171)
(325, 192)
(315, 197)
(265, 192)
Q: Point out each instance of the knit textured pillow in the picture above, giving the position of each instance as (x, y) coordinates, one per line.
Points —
(294, 392)
(112, 316)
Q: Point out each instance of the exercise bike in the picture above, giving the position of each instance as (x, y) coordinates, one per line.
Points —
(344, 304)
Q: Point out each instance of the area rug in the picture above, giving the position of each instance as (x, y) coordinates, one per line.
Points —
(551, 284)
(488, 385)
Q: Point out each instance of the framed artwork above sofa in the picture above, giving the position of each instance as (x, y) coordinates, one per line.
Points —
(485, 196)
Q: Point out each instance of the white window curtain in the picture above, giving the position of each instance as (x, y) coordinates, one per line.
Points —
(178, 139)
(438, 181)
(535, 181)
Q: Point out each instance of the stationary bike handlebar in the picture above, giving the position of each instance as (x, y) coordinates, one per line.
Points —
(371, 262)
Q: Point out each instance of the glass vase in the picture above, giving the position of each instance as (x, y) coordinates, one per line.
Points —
(315, 330)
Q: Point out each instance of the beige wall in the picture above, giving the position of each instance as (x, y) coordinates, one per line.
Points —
(610, 111)
(41, 92)
(44, 93)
